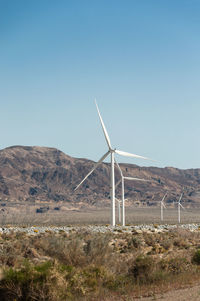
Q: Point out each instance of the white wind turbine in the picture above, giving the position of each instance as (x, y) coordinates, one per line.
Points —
(122, 182)
(162, 205)
(179, 208)
(112, 152)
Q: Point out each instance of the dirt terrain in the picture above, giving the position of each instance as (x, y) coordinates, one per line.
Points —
(184, 294)
(26, 214)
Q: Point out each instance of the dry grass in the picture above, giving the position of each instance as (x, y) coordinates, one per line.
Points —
(25, 214)
(88, 266)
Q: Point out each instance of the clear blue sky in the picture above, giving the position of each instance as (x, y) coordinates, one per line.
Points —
(140, 59)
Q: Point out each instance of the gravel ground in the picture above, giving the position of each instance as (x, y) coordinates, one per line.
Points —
(101, 229)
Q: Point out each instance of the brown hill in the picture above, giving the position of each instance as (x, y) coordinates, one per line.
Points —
(31, 174)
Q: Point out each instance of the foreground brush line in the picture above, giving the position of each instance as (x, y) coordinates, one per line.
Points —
(84, 265)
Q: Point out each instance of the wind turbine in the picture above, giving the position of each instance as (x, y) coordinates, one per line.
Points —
(112, 152)
(122, 182)
(162, 205)
(179, 208)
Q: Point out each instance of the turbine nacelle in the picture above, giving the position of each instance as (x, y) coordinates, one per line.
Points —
(179, 202)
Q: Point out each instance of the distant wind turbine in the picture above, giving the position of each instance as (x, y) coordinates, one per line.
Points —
(112, 152)
(179, 208)
(162, 205)
(122, 182)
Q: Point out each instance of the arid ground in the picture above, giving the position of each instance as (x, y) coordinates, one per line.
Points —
(83, 264)
(58, 214)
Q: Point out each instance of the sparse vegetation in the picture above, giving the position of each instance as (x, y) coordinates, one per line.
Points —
(196, 257)
(87, 266)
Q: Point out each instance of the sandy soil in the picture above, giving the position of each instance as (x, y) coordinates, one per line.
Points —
(186, 294)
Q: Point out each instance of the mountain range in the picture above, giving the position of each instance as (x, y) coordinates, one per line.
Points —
(32, 174)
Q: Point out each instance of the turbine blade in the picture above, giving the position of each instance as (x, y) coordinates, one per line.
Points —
(119, 168)
(119, 201)
(180, 197)
(118, 183)
(96, 165)
(163, 204)
(164, 197)
(122, 153)
(136, 179)
(181, 206)
(103, 127)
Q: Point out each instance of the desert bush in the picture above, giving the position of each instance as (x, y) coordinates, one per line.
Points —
(67, 251)
(180, 242)
(146, 270)
(10, 253)
(175, 265)
(54, 282)
(166, 244)
(89, 279)
(149, 239)
(28, 283)
(142, 269)
(196, 257)
(181, 233)
(134, 242)
(98, 250)
(42, 210)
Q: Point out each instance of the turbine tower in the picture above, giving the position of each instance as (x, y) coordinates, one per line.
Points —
(179, 208)
(162, 205)
(122, 182)
(119, 209)
(112, 152)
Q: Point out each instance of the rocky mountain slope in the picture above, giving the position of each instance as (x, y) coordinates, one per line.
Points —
(33, 174)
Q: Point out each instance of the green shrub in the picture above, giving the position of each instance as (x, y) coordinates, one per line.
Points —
(196, 257)
(142, 269)
(25, 284)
